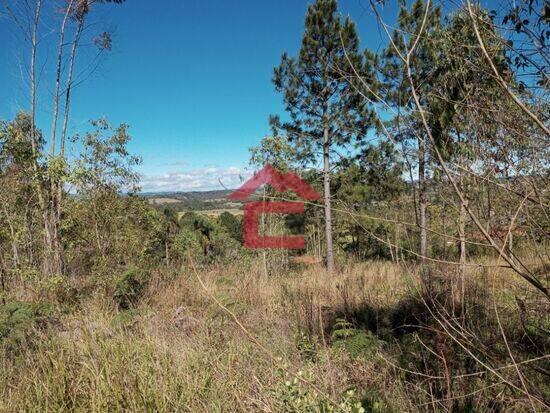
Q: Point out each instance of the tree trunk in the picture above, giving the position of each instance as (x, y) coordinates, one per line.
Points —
(462, 259)
(57, 183)
(489, 209)
(33, 78)
(462, 237)
(13, 238)
(328, 211)
(49, 266)
(388, 240)
(510, 235)
(422, 199)
(58, 79)
(29, 238)
(68, 86)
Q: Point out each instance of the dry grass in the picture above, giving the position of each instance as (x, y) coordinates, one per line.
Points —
(163, 201)
(179, 351)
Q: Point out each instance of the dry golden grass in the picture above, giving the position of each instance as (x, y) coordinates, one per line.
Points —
(180, 351)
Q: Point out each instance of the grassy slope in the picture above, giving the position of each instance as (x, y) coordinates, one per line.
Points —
(179, 351)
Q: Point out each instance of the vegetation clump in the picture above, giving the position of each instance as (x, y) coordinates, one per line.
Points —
(130, 288)
(356, 342)
(18, 321)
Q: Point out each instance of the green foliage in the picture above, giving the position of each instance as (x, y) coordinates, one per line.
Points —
(462, 86)
(307, 346)
(223, 248)
(130, 287)
(186, 243)
(524, 21)
(232, 225)
(373, 404)
(357, 343)
(343, 329)
(21, 170)
(367, 184)
(318, 87)
(297, 397)
(105, 162)
(18, 319)
(109, 232)
(188, 219)
(157, 229)
(273, 150)
(361, 238)
(219, 240)
(99, 231)
(15, 143)
(393, 71)
(374, 175)
(200, 223)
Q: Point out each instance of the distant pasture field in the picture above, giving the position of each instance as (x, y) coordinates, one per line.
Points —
(163, 201)
(214, 212)
(211, 203)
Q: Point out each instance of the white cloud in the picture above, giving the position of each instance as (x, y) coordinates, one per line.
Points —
(201, 179)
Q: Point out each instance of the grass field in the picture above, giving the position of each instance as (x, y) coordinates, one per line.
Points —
(216, 212)
(228, 338)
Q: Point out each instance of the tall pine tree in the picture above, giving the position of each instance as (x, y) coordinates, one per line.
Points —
(406, 122)
(320, 89)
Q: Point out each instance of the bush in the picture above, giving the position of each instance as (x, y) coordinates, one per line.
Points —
(297, 397)
(18, 319)
(130, 287)
(223, 247)
(232, 224)
(188, 219)
(186, 242)
(357, 343)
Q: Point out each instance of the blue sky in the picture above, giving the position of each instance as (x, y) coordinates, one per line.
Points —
(191, 77)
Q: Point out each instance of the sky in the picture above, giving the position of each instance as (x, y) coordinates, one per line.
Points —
(192, 78)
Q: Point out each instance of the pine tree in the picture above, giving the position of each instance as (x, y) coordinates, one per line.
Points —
(398, 91)
(320, 89)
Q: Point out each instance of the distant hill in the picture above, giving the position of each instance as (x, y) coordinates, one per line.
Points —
(193, 200)
(191, 195)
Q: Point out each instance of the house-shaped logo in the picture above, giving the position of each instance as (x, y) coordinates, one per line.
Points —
(281, 182)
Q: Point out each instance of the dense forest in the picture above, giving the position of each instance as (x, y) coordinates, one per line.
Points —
(424, 284)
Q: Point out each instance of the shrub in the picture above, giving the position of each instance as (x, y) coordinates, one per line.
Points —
(223, 247)
(357, 343)
(130, 287)
(18, 319)
(186, 242)
(307, 346)
(232, 224)
(188, 219)
(297, 397)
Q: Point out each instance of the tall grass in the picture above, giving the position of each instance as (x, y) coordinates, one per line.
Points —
(367, 330)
